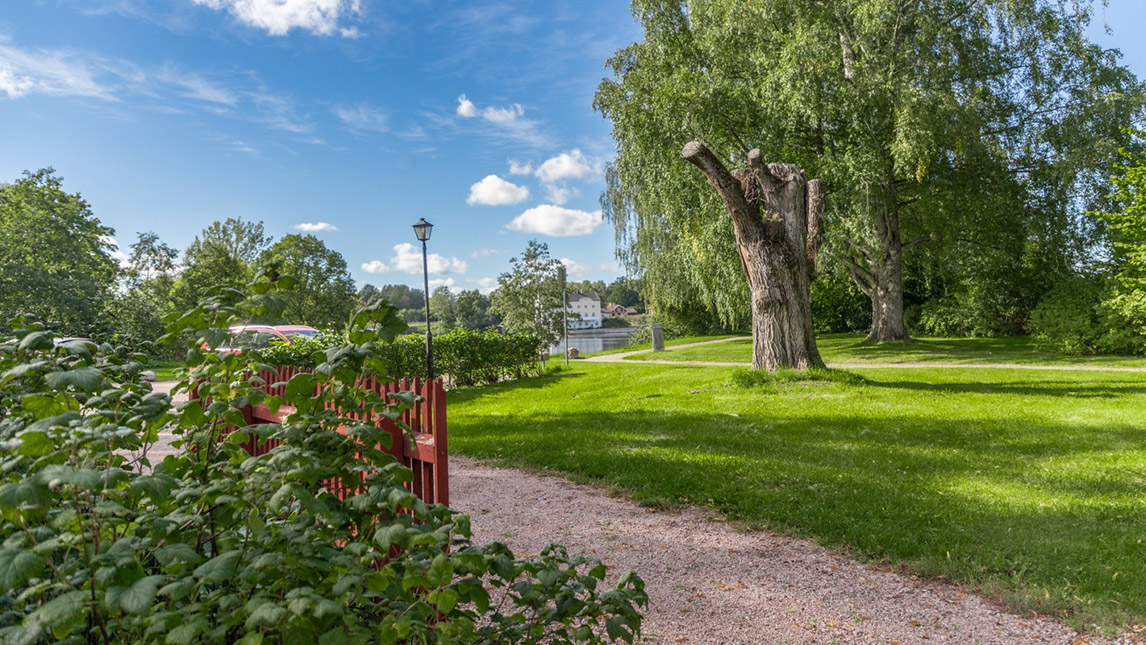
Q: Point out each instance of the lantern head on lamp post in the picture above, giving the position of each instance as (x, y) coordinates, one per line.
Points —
(422, 232)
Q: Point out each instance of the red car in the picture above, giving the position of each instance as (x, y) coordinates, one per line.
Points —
(260, 336)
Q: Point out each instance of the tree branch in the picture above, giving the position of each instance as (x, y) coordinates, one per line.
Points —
(744, 216)
(918, 240)
(861, 276)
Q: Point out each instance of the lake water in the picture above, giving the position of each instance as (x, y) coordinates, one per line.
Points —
(595, 340)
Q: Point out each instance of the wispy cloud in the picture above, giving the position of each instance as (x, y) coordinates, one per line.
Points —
(315, 227)
(501, 123)
(60, 72)
(166, 88)
(362, 118)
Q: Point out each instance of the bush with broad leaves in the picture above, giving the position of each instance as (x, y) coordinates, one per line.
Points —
(210, 545)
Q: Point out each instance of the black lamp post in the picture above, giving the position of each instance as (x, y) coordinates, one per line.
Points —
(422, 231)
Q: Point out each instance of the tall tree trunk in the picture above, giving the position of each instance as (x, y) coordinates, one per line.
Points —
(879, 273)
(777, 215)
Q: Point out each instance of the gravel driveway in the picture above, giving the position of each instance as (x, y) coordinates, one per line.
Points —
(711, 583)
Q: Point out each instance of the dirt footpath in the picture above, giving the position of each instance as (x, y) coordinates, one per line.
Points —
(710, 583)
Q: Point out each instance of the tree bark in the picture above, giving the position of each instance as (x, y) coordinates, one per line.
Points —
(777, 215)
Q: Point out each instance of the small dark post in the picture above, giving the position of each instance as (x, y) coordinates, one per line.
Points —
(564, 311)
(422, 231)
(658, 337)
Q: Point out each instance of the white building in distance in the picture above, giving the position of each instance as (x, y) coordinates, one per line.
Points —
(587, 307)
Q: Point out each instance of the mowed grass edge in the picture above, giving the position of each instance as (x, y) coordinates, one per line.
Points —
(851, 349)
(1025, 485)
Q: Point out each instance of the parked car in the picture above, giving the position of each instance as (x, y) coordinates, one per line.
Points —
(259, 336)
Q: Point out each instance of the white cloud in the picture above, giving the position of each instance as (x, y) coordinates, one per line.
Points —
(520, 168)
(503, 116)
(408, 258)
(483, 253)
(315, 227)
(278, 17)
(375, 266)
(574, 267)
(548, 219)
(112, 247)
(449, 283)
(466, 108)
(560, 193)
(495, 191)
(362, 118)
(484, 285)
(567, 165)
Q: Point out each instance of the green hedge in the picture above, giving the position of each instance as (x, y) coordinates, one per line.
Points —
(464, 356)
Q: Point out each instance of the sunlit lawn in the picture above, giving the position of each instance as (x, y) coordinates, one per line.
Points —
(1028, 485)
(850, 348)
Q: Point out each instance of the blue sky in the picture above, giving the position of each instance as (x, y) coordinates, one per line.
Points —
(355, 115)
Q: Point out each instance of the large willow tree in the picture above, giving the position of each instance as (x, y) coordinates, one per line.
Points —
(927, 119)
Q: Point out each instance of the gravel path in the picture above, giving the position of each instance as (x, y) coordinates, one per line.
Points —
(711, 583)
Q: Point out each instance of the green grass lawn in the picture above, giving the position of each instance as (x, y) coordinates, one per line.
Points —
(164, 370)
(850, 348)
(1026, 485)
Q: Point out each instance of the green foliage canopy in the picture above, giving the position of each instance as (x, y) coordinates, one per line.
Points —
(933, 124)
(325, 295)
(55, 260)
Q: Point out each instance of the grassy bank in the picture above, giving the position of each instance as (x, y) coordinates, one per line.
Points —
(850, 348)
(1026, 485)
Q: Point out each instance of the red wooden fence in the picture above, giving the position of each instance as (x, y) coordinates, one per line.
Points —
(424, 454)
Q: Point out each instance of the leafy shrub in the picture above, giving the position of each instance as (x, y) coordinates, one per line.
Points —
(981, 310)
(464, 356)
(213, 545)
(743, 377)
(838, 305)
(1074, 318)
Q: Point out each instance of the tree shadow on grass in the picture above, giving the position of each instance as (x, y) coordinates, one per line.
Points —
(1042, 510)
(1109, 388)
(530, 383)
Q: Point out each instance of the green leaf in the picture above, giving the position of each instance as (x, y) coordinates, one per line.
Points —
(218, 568)
(300, 388)
(62, 613)
(36, 340)
(186, 633)
(84, 379)
(43, 405)
(393, 535)
(336, 636)
(35, 444)
(177, 554)
(264, 613)
(136, 598)
(441, 571)
(447, 598)
(17, 567)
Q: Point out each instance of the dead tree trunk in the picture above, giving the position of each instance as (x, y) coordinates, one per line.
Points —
(777, 215)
